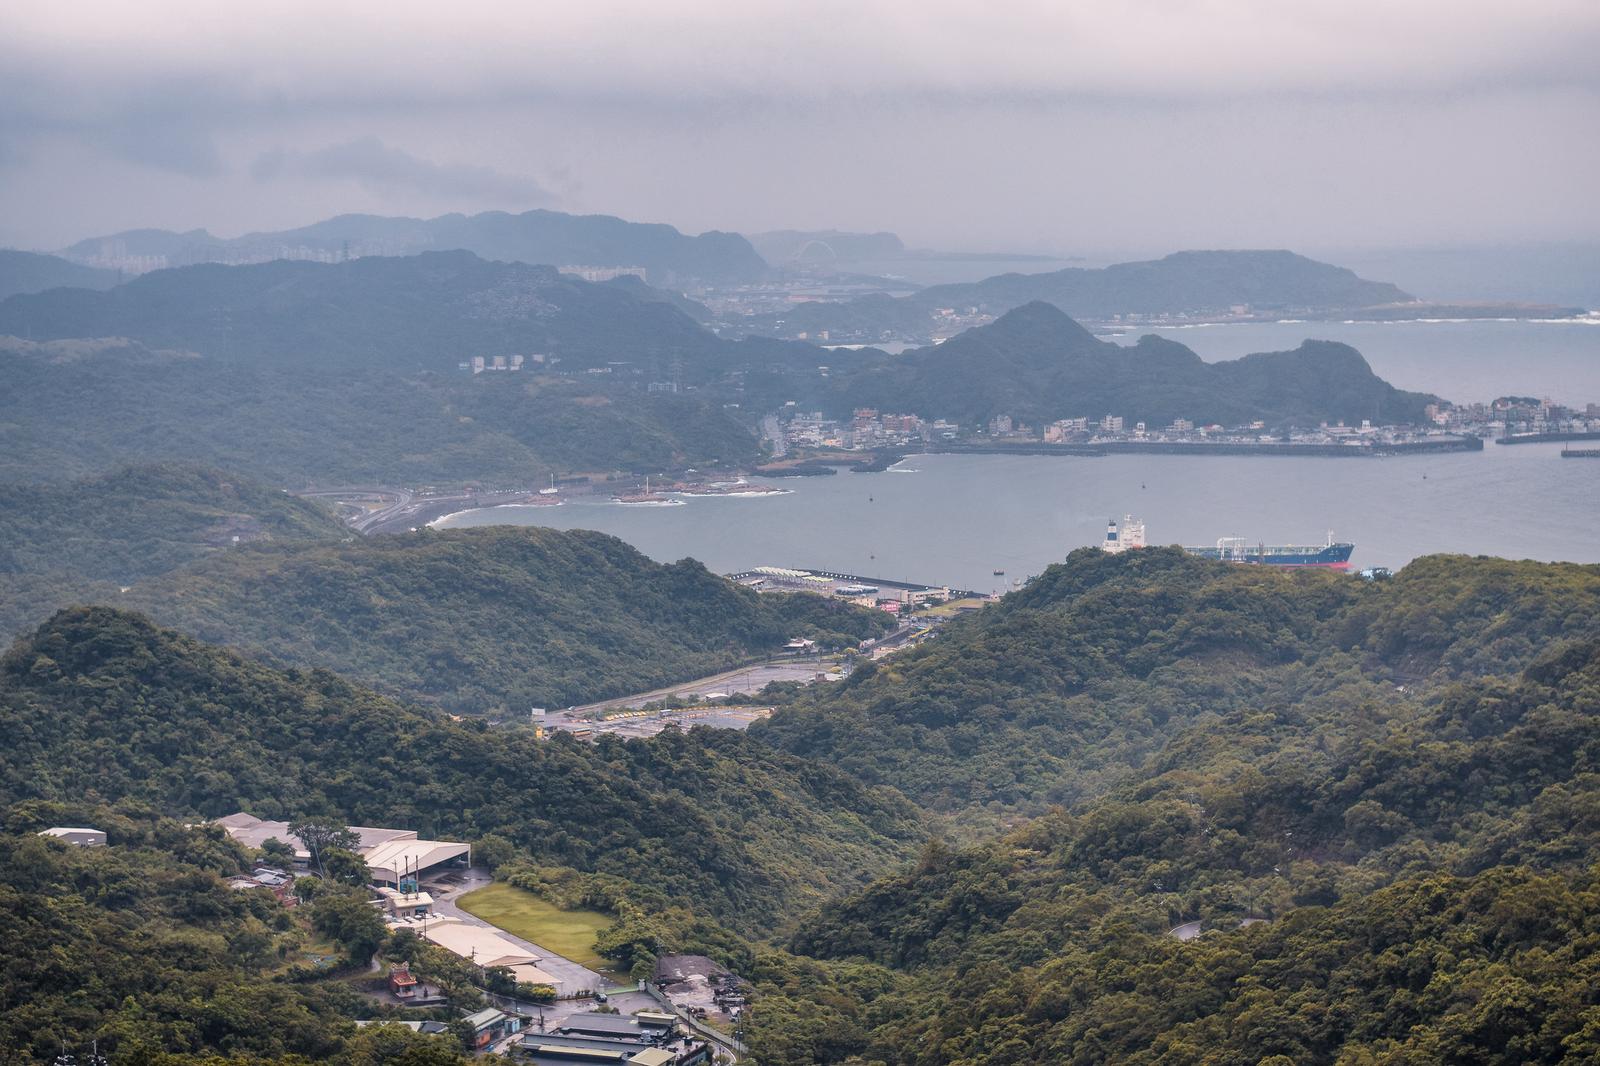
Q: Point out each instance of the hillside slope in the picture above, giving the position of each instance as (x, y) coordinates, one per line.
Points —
(1418, 875)
(75, 408)
(490, 620)
(23, 272)
(1060, 691)
(422, 312)
(139, 521)
(101, 706)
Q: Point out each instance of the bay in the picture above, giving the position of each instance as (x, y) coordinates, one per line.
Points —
(959, 517)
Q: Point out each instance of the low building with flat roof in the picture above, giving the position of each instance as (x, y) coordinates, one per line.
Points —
(82, 836)
(490, 1024)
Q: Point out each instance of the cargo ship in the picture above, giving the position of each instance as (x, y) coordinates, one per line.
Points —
(1129, 534)
(1332, 554)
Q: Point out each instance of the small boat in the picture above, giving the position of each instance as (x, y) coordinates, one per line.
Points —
(999, 573)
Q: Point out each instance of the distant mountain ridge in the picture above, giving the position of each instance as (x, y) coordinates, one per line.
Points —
(351, 373)
(1182, 283)
(25, 272)
(538, 237)
(1037, 364)
(424, 311)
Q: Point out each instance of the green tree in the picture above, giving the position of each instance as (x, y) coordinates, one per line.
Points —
(319, 836)
(276, 853)
(347, 917)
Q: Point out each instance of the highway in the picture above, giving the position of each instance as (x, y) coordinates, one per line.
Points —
(351, 502)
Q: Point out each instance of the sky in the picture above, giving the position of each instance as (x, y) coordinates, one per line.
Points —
(1068, 128)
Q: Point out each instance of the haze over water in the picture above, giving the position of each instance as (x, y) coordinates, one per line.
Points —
(1465, 362)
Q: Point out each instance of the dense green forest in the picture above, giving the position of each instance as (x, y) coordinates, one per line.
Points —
(1377, 799)
(82, 541)
(1417, 873)
(1066, 684)
(491, 620)
(101, 706)
(142, 949)
(139, 521)
(1036, 364)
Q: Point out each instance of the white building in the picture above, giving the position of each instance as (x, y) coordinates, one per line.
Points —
(390, 854)
(81, 836)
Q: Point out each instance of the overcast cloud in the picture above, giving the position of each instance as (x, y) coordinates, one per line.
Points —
(1137, 125)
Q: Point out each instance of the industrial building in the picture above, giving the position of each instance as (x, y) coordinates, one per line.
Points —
(392, 855)
(644, 1039)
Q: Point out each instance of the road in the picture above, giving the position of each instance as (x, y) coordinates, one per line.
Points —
(774, 435)
(1186, 931)
(745, 679)
(395, 503)
(399, 510)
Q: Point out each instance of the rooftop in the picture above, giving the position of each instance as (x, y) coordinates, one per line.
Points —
(388, 852)
(487, 1016)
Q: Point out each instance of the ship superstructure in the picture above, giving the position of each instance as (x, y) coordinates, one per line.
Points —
(1120, 538)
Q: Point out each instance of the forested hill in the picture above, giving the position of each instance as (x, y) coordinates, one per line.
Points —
(31, 272)
(101, 706)
(422, 312)
(492, 620)
(1037, 364)
(1061, 690)
(139, 521)
(73, 408)
(79, 541)
(539, 237)
(1182, 283)
(1419, 873)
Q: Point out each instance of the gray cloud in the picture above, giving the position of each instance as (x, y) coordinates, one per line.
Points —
(1051, 125)
(382, 168)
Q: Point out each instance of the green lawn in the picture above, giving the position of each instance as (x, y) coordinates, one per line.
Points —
(567, 933)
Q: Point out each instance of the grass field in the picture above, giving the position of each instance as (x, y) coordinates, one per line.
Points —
(954, 606)
(567, 933)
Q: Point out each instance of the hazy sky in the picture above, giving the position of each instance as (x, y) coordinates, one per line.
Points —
(1126, 125)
